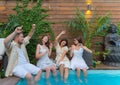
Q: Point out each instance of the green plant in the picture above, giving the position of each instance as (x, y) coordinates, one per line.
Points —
(96, 26)
(26, 16)
(2, 72)
(118, 28)
(79, 23)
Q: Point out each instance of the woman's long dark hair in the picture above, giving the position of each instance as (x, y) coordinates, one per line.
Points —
(79, 39)
(47, 43)
(64, 39)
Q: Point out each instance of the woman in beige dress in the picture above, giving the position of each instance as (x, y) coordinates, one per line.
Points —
(61, 59)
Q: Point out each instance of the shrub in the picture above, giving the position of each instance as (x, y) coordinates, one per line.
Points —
(26, 16)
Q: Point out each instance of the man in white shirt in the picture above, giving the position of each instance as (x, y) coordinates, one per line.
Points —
(18, 61)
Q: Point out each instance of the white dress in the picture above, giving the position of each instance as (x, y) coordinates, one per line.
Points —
(59, 52)
(44, 61)
(77, 60)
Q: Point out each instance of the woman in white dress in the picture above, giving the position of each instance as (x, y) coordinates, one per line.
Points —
(43, 51)
(61, 59)
(77, 61)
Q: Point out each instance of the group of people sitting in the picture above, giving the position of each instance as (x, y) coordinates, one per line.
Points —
(18, 61)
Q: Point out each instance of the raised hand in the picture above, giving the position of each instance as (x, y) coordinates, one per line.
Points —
(18, 29)
(81, 45)
(33, 26)
(63, 32)
(50, 45)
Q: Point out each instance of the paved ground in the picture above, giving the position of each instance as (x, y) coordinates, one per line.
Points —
(105, 67)
(9, 81)
(14, 80)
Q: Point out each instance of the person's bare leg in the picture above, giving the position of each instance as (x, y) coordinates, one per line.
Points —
(37, 77)
(85, 74)
(48, 82)
(61, 70)
(47, 72)
(47, 75)
(78, 74)
(66, 74)
(30, 80)
(53, 68)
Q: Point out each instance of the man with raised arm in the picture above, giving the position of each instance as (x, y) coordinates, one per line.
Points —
(18, 61)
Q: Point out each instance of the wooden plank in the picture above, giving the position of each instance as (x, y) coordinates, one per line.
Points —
(77, 1)
(63, 10)
(106, 4)
(113, 12)
(2, 2)
(63, 4)
(63, 18)
(53, 5)
(106, 1)
(65, 1)
(84, 8)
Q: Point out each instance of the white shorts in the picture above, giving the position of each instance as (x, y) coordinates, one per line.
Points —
(22, 70)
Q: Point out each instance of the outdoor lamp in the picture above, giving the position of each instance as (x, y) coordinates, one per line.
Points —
(88, 7)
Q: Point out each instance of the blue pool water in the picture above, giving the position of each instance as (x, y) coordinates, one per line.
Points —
(95, 77)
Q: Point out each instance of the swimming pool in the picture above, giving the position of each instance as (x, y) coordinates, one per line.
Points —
(95, 77)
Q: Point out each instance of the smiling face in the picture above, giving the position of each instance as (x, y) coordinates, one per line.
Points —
(19, 38)
(75, 41)
(45, 39)
(63, 42)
